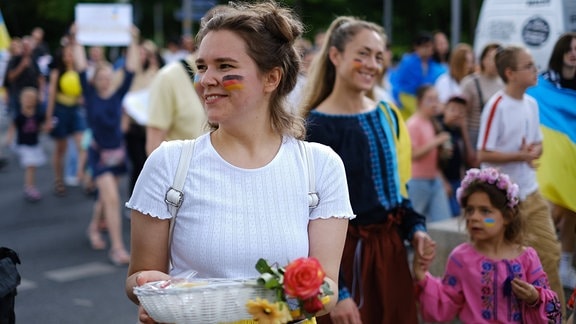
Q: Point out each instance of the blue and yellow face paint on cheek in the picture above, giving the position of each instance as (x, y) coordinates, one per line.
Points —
(489, 222)
(233, 82)
(197, 84)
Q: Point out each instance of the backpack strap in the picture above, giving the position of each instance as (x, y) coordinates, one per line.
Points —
(175, 194)
(313, 198)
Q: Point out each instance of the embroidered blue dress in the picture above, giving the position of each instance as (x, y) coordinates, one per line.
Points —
(374, 269)
(364, 144)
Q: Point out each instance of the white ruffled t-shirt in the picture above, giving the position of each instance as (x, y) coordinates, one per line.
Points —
(231, 217)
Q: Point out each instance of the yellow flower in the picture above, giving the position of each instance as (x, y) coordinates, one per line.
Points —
(325, 300)
(268, 313)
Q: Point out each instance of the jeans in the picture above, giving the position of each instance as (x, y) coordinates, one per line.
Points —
(429, 198)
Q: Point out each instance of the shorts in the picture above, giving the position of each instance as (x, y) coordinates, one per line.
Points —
(68, 120)
(31, 155)
(98, 168)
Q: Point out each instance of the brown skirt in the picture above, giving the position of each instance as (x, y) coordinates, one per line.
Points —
(383, 289)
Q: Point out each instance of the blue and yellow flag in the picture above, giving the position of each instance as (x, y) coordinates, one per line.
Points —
(557, 170)
(4, 36)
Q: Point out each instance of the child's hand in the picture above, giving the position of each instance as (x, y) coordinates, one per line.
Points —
(425, 250)
(525, 291)
(441, 138)
(530, 153)
(48, 124)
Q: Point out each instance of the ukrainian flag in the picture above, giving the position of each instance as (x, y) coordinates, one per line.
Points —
(4, 36)
(557, 170)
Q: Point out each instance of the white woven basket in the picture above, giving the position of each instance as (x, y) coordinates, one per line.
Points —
(211, 301)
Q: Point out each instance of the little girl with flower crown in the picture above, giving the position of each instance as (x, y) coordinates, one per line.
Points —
(493, 278)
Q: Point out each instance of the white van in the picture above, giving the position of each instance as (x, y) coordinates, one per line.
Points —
(535, 24)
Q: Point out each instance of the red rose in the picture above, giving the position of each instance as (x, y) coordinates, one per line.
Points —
(303, 278)
(312, 305)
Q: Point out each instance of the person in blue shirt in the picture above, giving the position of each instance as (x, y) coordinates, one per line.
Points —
(106, 154)
(414, 70)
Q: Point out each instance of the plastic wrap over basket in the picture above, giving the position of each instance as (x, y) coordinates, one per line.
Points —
(201, 301)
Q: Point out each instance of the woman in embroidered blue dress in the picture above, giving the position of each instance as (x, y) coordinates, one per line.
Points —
(371, 138)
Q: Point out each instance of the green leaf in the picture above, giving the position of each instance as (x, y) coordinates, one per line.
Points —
(262, 266)
(269, 281)
(272, 283)
(326, 291)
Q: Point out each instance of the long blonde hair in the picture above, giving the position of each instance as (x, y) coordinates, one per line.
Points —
(322, 74)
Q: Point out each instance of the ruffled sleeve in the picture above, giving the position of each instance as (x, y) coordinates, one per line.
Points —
(442, 299)
(155, 179)
(547, 309)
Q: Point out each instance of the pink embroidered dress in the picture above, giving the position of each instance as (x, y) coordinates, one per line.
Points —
(477, 289)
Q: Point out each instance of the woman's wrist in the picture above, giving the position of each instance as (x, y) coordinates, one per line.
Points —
(343, 293)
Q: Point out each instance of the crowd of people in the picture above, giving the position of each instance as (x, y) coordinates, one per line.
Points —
(396, 146)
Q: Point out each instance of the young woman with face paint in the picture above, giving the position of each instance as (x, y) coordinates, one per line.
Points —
(494, 278)
(246, 193)
(371, 138)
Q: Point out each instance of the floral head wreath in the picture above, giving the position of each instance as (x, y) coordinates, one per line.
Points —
(491, 176)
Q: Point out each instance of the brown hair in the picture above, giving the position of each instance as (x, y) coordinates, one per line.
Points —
(458, 65)
(561, 47)
(507, 58)
(322, 74)
(422, 90)
(513, 232)
(270, 32)
(485, 52)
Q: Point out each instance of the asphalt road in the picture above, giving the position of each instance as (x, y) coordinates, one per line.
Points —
(63, 279)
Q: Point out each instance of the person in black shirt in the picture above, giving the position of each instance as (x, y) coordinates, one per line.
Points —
(22, 71)
(562, 64)
(26, 126)
(451, 155)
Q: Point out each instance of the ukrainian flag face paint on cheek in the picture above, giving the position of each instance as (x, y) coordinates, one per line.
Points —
(357, 64)
(233, 82)
(489, 222)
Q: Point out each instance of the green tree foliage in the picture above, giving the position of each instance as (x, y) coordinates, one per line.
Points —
(409, 16)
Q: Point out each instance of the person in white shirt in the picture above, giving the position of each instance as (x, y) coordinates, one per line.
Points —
(461, 65)
(245, 195)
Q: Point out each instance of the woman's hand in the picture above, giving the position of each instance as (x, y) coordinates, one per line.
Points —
(143, 317)
(140, 278)
(425, 250)
(346, 312)
(424, 247)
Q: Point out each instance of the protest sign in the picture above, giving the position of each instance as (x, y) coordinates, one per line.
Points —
(103, 24)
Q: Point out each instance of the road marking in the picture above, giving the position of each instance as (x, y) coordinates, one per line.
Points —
(83, 302)
(82, 271)
(26, 285)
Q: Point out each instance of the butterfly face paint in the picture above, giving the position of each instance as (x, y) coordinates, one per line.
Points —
(233, 82)
(489, 222)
